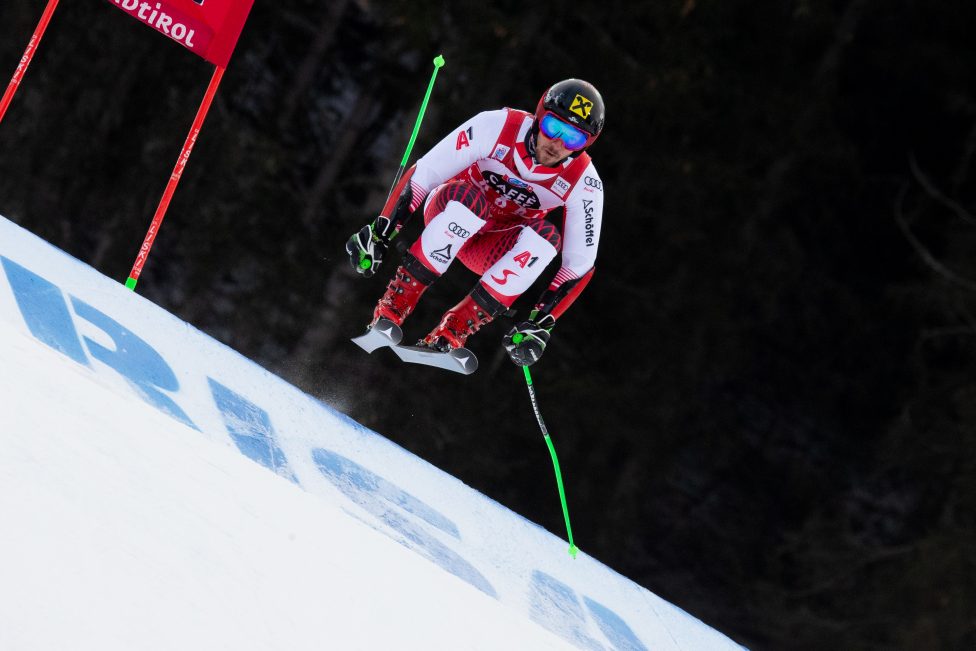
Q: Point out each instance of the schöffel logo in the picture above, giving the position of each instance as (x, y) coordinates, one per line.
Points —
(593, 183)
(442, 255)
(457, 230)
(588, 224)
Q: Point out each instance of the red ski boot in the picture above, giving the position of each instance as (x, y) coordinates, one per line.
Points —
(409, 283)
(457, 324)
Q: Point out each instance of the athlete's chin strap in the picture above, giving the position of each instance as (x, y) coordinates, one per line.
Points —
(530, 140)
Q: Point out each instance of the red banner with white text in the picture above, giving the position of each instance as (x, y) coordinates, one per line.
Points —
(209, 28)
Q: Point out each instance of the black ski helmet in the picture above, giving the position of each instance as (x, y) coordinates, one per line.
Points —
(577, 102)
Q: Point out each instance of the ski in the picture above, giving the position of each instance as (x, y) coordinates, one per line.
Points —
(386, 334)
(459, 360)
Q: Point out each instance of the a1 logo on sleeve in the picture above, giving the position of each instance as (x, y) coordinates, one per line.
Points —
(464, 138)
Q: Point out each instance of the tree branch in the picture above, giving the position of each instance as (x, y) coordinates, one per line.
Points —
(923, 252)
(937, 194)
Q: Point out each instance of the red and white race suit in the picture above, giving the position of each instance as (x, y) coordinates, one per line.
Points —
(486, 200)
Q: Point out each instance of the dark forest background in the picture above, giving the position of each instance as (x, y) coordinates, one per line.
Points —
(764, 403)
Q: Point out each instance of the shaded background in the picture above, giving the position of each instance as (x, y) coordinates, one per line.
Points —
(764, 402)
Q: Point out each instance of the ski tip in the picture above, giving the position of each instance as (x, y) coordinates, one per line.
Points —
(467, 360)
(383, 333)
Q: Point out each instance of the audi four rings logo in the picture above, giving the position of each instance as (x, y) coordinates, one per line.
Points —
(457, 230)
(593, 183)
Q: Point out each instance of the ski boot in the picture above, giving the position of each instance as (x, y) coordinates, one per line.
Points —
(462, 321)
(404, 291)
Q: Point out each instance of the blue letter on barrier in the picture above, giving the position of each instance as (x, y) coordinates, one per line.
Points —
(556, 607)
(614, 627)
(378, 496)
(44, 310)
(250, 428)
(135, 360)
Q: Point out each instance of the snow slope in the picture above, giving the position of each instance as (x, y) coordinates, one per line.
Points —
(160, 491)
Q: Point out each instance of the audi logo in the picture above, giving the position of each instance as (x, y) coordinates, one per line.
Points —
(593, 183)
(457, 230)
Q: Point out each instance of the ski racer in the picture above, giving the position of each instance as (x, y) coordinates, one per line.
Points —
(486, 190)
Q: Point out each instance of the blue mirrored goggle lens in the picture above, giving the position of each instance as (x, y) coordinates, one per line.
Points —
(572, 137)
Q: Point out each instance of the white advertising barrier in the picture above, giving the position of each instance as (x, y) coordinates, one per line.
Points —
(134, 349)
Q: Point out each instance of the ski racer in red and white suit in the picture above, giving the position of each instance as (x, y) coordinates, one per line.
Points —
(486, 190)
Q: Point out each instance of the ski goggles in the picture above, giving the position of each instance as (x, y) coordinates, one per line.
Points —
(574, 139)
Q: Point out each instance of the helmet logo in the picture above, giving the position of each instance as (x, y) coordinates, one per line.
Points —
(581, 106)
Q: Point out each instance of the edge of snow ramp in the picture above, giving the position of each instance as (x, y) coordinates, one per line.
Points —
(135, 349)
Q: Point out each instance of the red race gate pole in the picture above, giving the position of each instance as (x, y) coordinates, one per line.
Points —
(174, 179)
(28, 55)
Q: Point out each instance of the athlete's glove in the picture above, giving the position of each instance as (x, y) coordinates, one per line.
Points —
(367, 247)
(527, 341)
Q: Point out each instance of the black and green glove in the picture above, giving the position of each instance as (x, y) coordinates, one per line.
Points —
(367, 246)
(526, 341)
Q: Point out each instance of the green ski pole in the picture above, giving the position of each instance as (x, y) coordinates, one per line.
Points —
(438, 63)
(552, 451)
(365, 263)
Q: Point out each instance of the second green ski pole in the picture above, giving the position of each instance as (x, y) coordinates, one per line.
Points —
(555, 460)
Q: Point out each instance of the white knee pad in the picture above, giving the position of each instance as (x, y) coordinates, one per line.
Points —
(446, 234)
(519, 268)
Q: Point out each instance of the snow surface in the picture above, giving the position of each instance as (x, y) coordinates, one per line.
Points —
(160, 491)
